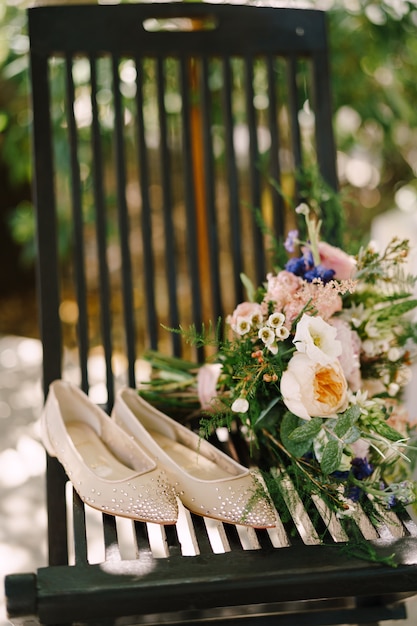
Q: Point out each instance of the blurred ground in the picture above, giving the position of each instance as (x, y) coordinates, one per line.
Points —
(22, 466)
(22, 461)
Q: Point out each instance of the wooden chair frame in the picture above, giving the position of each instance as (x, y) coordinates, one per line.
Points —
(297, 584)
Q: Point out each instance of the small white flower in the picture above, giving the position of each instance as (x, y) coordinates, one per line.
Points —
(394, 354)
(243, 325)
(360, 398)
(393, 389)
(317, 339)
(370, 347)
(273, 347)
(282, 333)
(240, 405)
(266, 335)
(276, 320)
(257, 320)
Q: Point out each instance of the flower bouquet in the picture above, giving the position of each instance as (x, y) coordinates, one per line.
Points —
(311, 369)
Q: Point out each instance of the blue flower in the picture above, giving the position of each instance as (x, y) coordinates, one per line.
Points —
(296, 266)
(361, 468)
(341, 475)
(353, 492)
(324, 274)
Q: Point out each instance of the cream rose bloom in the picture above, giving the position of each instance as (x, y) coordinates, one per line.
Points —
(310, 389)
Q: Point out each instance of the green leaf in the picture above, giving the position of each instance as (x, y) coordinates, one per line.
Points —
(289, 423)
(385, 430)
(353, 434)
(396, 310)
(346, 421)
(307, 431)
(332, 455)
(266, 410)
(250, 289)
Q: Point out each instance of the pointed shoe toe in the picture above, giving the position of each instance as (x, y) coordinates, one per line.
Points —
(207, 481)
(108, 469)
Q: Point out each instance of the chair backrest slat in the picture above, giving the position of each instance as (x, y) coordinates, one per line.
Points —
(78, 239)
(161, 133)
(148, 264)
(101, 226)
(192, 177)
(124, 225)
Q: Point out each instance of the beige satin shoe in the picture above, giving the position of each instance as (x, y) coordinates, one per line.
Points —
(109, 471)
(207, 481)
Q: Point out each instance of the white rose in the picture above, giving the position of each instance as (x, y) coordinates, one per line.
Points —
(317, 339)
(310, 389)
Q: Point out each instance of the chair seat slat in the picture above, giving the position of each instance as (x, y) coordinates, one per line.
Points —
(330, 520)
(296, 508)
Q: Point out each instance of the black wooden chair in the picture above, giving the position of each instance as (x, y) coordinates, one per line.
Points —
(157, 130)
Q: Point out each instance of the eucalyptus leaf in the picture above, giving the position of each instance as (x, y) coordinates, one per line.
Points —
(352, 435)
(307, 431)
(346, 421)
(289, 423)
(332, 455)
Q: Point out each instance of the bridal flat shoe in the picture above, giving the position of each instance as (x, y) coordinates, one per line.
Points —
(109, 470)
(207, 481)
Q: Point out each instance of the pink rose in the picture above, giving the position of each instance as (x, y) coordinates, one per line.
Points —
(282, 285)
(207, 378)
(247, 310)
(335, 259)
(281, 288)
(351, 346)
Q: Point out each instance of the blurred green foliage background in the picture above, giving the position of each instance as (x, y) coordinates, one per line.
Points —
(373, 67)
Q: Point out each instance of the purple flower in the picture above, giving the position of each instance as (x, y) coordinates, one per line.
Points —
(291, 240)
(402, 493)
(361, 468)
